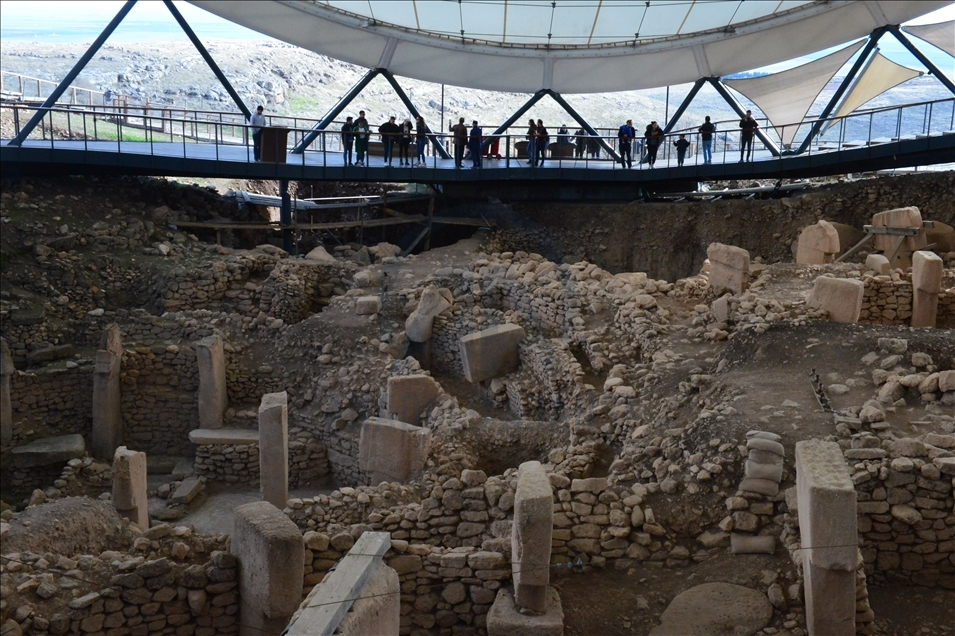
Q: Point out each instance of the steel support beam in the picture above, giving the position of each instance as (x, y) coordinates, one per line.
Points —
(438, 147)
(697, 85)
(843, 87)
(336, 110)
(736, 106)
(77, 68)
(208, 58)
(933, 69)
(285, 216)
(557, 97)
(580, 120)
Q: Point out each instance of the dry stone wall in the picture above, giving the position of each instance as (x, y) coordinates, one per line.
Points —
(239, 463)
(51, 402)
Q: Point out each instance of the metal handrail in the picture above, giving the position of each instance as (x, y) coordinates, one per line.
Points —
(108, 122)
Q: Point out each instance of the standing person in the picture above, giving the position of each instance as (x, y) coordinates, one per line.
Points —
(474, 144)
(421, 139)
(625, 138)
(531, 142)
(404, 142)
(361, 138)
(681, 145)
(593, 147)
(748, 127)
(543, 140)
(706, 138)
(257, 122)
(460, 136)
(653, 136)
(348, 141)
(389, 136)
(580, 142)
(108, 97)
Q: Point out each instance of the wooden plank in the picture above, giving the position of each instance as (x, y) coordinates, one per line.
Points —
(331, 599)
(448, 220)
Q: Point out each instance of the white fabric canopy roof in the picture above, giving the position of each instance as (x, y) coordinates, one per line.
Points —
(786, 97)
(880, 75)
(606, 46)
(941, 35)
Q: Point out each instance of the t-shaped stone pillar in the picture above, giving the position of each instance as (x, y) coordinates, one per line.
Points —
(271, 555)
(926, 285)
(213, 396)
(129, 486)
(6, 408)
(531, 537)
(273, 448)
(828, 537)
(729, 268)
(107, 432)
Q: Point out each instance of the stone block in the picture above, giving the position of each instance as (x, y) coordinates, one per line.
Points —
(818, 244)
(408, 395)
(107, 431)
(531, 534)
(213, 397)
(270, 551)
(391, 450)
(505, 619)
(841, 297)
(830, 600)
(129, 486)
(378, 608)
(368, 305)
(273, 448)
(188, 490)
(48, 451)
(878, 264)
(827, 506)
(926, 285)
(207, 436)
(492, 352)
(729, 268)
(749, 544)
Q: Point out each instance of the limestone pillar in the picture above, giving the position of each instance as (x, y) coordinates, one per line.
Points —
(389, 450)
(534, 607)
(273, 448)
(129, 486)
(841, 297)
(213, 397)
(6, 408)
(818, 244)
(271, 555)
(408, 395)
(828, 537)
(729, 268)
(926, 285)
(107, 432)
(900, 218)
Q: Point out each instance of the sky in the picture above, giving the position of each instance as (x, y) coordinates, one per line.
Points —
(149, 20)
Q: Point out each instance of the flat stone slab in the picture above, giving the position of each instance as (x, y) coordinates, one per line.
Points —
(224, 436)
(492, 352)
(504, 619)
(187, 491)
(49, 450)
(715, 609)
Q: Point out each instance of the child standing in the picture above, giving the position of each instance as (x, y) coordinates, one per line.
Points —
(681, 145)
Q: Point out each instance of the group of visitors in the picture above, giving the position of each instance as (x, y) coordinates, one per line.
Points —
(355, 135)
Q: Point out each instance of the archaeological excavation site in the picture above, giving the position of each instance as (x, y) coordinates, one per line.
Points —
(732, 416)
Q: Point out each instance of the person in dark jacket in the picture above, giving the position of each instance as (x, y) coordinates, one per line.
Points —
(653, 136)
(543, 141)
(625, 141)
(460, 136)
(362, 131)
(389, 132)
(706, 139)
(532, 142)
(580, 143)
(747, 126)
(681, 145)
(348, 141)
(474, 144)
(421, 140)
(404, 142)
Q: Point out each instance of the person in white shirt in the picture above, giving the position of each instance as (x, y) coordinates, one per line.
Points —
(257, 122)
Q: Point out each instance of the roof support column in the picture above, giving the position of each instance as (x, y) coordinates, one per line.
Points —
(736, 106)
(77, 68)
(414, 111)
(697, 85)
(208, 58)
(841, 90)
(336, 110)
(933, 69)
